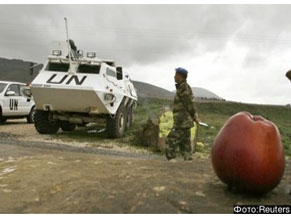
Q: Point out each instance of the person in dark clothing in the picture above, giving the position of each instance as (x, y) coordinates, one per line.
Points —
(185, 114)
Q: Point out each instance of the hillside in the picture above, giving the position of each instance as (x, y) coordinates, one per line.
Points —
(202, 93)
(151, 91)
(16, 70)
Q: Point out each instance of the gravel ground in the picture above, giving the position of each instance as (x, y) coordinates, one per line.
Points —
(39, 174)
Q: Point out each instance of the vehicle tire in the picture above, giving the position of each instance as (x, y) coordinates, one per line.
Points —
(43, 124)
(2, 119)
(129, 119)
(116, 126)
(30, 117)
(67, 127)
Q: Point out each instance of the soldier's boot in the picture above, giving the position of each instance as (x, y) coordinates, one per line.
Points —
(170, 154)
(187, 156)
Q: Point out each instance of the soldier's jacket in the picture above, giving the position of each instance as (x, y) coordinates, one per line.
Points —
(184, 110)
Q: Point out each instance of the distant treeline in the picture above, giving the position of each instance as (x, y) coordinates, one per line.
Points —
(209, 99)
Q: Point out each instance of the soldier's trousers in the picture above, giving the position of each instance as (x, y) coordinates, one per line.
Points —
(179, 138)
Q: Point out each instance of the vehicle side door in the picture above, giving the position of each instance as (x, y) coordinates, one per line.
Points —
(15, 104)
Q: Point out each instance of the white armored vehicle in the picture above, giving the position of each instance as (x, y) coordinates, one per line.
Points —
(73, 89)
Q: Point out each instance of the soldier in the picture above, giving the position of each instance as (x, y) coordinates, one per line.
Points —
(185, 114)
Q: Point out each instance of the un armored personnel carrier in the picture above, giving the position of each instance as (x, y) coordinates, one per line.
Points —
(74, 89)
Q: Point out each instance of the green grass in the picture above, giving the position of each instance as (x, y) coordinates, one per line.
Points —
(215, 114)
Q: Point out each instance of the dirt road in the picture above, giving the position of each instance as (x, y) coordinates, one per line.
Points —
(39, 176)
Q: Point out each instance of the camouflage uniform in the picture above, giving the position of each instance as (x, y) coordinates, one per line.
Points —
(184, 112)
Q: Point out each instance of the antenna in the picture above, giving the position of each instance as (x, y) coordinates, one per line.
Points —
(68, 43)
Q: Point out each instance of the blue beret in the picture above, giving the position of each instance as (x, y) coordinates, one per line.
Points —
(182, 71)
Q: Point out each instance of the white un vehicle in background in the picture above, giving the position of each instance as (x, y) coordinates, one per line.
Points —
(74, 89)
(13, 104)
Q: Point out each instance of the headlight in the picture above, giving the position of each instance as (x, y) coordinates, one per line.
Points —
(109, 97)
(57, 52)
(91, 55)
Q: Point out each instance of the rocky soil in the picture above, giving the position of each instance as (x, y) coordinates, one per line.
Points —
(40, 174)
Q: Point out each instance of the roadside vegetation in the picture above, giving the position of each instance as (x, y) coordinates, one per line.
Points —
(215, 114)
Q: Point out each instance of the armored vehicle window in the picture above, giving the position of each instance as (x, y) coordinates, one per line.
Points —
(110, 72)
(63, 67)
(110, 63)
(91, 69)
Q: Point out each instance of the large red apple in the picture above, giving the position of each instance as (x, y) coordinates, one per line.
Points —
(247, 153)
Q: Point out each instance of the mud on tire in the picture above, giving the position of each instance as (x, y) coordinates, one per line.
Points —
(43, 124)
(116, 126)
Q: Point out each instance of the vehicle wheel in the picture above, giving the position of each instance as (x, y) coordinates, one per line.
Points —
(2, 119)
(66, 126)
(30, 117)
(129, 117)
(116, 126)
(43, 124)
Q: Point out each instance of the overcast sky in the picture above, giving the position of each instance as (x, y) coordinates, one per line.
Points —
(240, 52)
